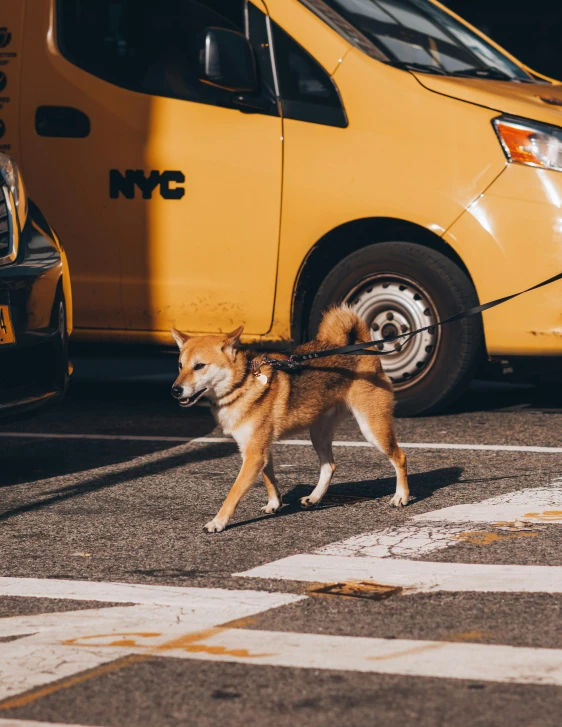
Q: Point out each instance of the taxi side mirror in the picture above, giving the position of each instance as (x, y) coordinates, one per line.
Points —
(226, 60)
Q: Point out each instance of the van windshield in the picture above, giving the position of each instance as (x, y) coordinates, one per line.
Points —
(417, 35)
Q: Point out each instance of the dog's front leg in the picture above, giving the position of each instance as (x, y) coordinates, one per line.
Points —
(253, 464)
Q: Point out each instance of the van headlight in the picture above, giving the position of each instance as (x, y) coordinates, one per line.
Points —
(529, 142)
(12, 177)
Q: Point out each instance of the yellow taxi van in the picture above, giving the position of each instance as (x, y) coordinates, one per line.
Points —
(212, 163)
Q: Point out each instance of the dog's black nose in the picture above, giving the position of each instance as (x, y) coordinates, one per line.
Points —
(177, 391)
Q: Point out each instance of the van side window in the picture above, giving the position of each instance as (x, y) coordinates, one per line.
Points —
(146, 46)
(307, 91)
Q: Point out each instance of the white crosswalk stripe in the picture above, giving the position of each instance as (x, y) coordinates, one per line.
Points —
(415, 576)
(67, 643)
(386, 556)
(46, 650)
(194, 623)
(539, 505)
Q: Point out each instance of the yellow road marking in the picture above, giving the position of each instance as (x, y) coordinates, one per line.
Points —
(24, 699)
(187, 642)
(483, 538)
(546, 515)
(122, 642)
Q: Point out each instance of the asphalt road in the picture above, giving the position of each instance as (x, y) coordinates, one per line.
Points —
(120, 495)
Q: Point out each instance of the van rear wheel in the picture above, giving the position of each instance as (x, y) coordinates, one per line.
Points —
(397, 287)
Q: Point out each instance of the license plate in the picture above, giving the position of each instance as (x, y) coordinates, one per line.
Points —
(6, 330)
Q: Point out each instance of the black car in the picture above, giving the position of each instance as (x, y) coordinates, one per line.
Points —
(35, 303)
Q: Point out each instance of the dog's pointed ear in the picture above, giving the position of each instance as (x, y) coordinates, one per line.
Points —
(179, 337)
(231, 341)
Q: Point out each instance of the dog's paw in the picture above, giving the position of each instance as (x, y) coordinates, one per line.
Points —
(307, 503)
(399, 500)
(214, 526)
(272, 507)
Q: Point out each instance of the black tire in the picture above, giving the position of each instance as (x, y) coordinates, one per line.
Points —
(451, 362)
(58, 321)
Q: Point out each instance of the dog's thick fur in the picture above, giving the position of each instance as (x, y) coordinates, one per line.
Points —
(316, 397)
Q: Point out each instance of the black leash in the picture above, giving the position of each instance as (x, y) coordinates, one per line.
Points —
(363, 349)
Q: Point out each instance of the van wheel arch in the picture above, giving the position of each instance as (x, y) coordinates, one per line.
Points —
(340, 242)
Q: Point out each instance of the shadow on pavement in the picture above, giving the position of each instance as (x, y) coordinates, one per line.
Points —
(29, 462)
(129, 408)
(113, 397)
(125, 408)
(123, 476)
(422, 485)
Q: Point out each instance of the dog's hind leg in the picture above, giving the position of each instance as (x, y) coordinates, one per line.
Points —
(372, 406)
(274, 498)
(322, 435)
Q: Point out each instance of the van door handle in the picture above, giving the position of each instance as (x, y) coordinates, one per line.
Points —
(61, 122)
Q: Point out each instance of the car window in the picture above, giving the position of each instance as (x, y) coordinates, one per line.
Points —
(146, 46)
(419, 35)
(307, 91)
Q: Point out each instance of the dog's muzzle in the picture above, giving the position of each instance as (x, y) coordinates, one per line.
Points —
(186, 401)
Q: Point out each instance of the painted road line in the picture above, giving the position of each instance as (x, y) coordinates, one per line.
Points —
(220, 601)
(441, 659)
(42, 651)
(27, 666)
(379, 555)
(408, 541)
(382, 656)
(440, 445)
(29, 723)
(539, 505)
(414, 575)
(33, 695)
(116, 619)
(48, 655)
(283, 442)
(116, 437)
(509, 515)
(80, 645)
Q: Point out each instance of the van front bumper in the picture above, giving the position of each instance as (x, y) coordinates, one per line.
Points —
(510, 238)
(34, 370)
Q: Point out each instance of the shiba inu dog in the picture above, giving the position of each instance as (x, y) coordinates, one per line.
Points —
(258, 405)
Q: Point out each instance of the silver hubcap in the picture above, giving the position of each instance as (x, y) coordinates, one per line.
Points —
(392, 305)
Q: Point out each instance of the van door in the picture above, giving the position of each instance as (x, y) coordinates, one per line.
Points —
(173, 187)
(11, 35)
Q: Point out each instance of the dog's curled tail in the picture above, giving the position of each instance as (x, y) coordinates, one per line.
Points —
(340, 326)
